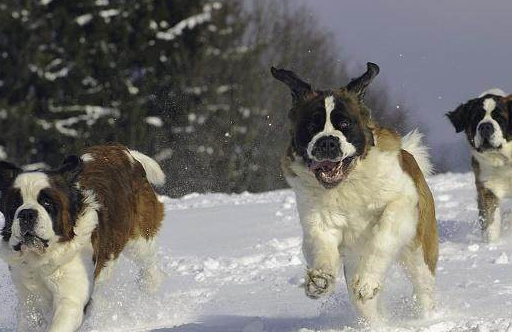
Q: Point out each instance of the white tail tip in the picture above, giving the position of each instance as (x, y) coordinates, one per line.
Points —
(154, 172)
(413, 143)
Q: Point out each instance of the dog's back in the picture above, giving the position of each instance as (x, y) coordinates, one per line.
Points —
(129, 208)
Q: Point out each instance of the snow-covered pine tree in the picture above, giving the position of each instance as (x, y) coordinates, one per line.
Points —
(186, 81)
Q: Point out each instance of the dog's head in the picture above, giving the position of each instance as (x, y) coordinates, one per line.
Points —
(39, 207)
(487, 121)
(330, 129)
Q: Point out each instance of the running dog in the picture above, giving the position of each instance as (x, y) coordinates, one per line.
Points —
(64, 228)
(361, 194)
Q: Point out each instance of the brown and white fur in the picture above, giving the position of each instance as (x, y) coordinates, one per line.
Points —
(64, 228)
(363, 201)
(487, 122)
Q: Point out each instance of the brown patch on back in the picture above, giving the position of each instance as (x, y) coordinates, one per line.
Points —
(129, 206)
(387, 139)
(426, 234)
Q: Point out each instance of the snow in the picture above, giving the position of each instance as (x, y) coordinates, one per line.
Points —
(188, 23)
(92, 113)
(108, 13)
(155, 121)
(83, 19)
(234, 263)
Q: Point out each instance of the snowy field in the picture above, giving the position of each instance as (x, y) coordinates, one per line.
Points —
(233, 263)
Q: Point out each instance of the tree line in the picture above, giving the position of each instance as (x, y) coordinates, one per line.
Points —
(185, 81)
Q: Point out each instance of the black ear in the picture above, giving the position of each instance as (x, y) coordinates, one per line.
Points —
(508, 105)
(359, 85)
(460, 116)
(300, 89)
(8, 172)
(71, 168)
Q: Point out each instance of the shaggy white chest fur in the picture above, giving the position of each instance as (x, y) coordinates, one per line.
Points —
(496, 170)
(353, 207)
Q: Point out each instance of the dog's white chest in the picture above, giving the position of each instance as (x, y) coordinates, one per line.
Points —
(355, 206)
(498, 180)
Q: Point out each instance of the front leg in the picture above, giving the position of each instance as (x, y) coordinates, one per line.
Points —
(396, 228)
(488, 213)
(320, 248)
(71, 286)
(488, 207)
(31, 308)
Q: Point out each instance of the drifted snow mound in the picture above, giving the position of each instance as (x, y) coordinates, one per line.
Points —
(234, 263)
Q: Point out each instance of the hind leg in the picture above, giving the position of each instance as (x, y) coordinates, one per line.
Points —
(423, 280)
(144, 254)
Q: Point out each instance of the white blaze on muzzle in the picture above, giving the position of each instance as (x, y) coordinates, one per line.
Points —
(496, 139)
(347, 148)
(30, 185)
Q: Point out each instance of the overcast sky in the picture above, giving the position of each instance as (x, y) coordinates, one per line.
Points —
(433, 54)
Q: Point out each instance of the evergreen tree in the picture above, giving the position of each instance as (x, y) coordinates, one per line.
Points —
(186, 81)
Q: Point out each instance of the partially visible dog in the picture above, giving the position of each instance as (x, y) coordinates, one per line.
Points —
(361, 194)
(487, 121)
(64, 228)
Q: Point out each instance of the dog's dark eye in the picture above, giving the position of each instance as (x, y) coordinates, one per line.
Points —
(46, 202)
(344, 124)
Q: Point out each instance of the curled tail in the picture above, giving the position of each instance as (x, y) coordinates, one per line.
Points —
(154, 173)
(412, 143)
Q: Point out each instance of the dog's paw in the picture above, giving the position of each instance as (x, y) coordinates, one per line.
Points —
(318, 283)
(150, 280)
(365, 287)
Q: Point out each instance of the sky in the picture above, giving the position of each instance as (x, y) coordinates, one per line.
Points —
(433, 54)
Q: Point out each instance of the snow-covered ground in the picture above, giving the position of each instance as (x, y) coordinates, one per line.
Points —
(234, 264)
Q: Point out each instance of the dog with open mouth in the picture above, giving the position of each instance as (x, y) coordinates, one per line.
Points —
(487, 122)
(65, 228)
(361, 195)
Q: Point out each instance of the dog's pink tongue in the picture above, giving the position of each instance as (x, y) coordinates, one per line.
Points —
(321, 164)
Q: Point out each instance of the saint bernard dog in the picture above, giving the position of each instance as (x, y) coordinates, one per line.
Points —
(361, 195)
(487, 122)
(64, 228)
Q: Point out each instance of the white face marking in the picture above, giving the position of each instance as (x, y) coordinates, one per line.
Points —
(87, 157)
(347, 148)
(496, 138)
(489, 105)
(30, 185)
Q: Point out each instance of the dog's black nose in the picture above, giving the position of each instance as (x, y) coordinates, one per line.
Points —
(327, 147)
(27, 219)
(486, 129)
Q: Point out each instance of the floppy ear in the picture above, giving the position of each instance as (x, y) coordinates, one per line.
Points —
(71, 168)
(8, 173)
(359, 85)
(508, 105)
(460, 117)
(300, 89)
